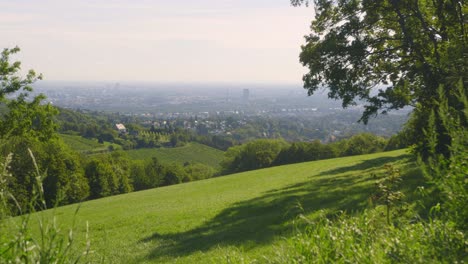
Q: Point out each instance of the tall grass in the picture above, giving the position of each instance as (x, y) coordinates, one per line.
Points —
(18, 244)
(367, 238)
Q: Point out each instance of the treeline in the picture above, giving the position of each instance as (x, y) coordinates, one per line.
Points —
(265, 153)
(71, 177)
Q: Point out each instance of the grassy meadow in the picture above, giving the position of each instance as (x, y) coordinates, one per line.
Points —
(193, 152)
(205, 221)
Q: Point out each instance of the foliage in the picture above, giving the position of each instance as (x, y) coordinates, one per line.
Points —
(411, 48)
(363, 143)
(256, 154)
(108, 175)
(302, 152)
(174, 174)
(388, 190)
(251, 155)
(198, 171)
(364, 239)
(138, 176)
(401, 140)
(28, 119)
(449, 175)
(154, 173)
(65, 182)
(24, 117)
(29, 124)
(18, 244)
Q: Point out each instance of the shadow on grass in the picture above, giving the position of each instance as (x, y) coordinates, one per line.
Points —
(260, 220)
(365, 165)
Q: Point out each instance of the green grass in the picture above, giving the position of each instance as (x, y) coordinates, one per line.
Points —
(193, 152)
(203, 221)
(85, 145)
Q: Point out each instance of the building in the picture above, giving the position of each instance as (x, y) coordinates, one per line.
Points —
(121, 128)
(246, 95)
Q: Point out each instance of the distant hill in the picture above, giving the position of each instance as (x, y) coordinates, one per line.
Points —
(205, 221)
(192, 152)
(84, 145)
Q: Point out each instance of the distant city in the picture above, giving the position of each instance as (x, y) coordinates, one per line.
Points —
(171, 100)
(205, 107)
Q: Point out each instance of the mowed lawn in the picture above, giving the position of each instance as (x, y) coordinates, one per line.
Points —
(203, 221)
(193, 152)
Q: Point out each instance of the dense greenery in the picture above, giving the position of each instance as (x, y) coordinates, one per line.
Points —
(264, 153)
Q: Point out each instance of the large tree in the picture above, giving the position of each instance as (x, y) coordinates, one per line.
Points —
(388, 53)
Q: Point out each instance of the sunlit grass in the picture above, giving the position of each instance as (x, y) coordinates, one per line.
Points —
(202, 221)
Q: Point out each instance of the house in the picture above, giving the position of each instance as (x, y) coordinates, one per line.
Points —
(121, 128)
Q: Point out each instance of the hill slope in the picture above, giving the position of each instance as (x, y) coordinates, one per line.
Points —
(201, 222)
(84, 145)
(193, 152)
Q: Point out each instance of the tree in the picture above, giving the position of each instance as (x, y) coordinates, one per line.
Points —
(140, 180)
(28, 126)
(254, 155)
(173, 174)
(363, 143)
(155, 172)
(24, 117)
(408, 48)
(108, 175)
(64, 180)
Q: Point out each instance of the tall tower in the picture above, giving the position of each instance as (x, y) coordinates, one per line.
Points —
(246, 95)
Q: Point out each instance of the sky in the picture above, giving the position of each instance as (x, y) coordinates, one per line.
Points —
(237, 41)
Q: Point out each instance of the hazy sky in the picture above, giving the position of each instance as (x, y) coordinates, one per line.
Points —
(175, 41)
